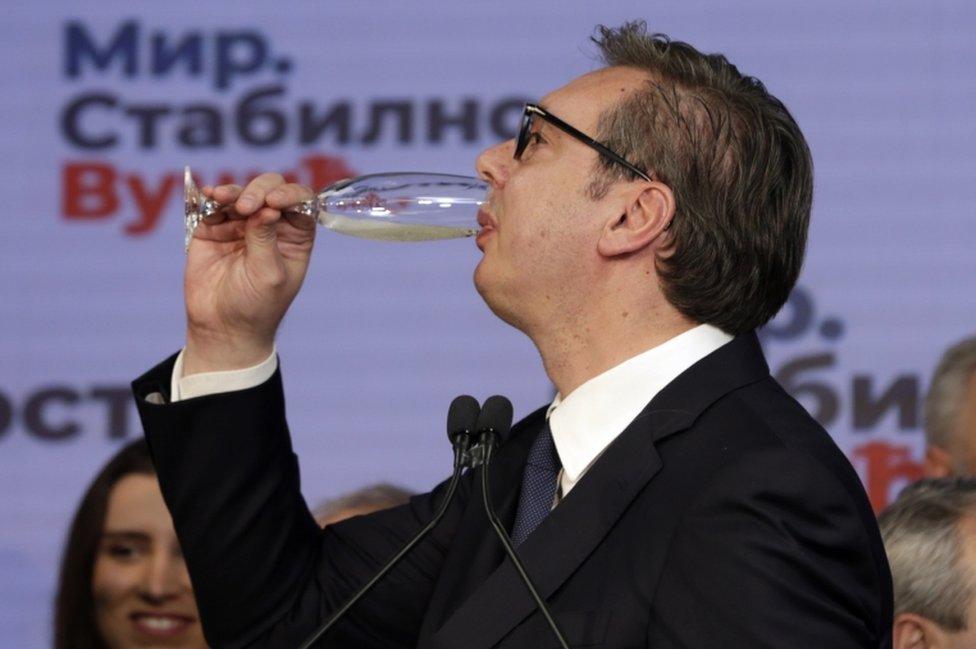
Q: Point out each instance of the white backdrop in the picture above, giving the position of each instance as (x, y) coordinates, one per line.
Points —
(102, 108)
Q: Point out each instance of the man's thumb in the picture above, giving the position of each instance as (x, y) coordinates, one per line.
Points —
(261, 239)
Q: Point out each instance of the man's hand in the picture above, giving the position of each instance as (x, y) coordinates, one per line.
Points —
(244, 268)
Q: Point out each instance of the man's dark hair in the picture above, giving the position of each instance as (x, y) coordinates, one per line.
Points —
(737, 163)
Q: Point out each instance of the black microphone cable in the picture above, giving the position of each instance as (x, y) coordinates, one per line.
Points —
(493, 424)
(461, 418)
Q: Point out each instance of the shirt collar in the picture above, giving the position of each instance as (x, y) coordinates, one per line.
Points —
(588, 419)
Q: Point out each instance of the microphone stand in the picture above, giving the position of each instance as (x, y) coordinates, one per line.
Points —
(461, 447)
(488, 440)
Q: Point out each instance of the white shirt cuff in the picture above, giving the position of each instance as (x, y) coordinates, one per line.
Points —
(204, 383)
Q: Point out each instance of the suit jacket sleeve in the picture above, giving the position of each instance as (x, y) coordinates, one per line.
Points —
(774, 553)
(263, 572)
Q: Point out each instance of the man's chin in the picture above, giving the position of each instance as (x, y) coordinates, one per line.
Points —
(503, 308)
(481, 280)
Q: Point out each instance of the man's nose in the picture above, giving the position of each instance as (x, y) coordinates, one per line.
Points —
(494, 163)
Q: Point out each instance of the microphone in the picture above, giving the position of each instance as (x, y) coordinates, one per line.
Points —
(492, 426)
(462, 417)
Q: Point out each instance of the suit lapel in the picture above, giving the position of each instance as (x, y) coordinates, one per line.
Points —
(574, 529)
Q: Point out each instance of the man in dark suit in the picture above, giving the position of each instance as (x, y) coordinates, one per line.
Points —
(648, 218)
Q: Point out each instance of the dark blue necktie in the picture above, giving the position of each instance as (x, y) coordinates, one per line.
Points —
(538, 486)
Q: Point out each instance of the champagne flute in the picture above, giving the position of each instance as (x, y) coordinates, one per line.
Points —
(399, 206)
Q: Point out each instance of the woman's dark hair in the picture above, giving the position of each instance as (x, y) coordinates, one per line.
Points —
(74, 605)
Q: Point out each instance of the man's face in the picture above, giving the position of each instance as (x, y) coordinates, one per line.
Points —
(540, 228)
(965, 430)
(960, 456)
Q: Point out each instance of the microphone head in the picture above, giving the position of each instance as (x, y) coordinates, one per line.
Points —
(496, 415)
(462, 416)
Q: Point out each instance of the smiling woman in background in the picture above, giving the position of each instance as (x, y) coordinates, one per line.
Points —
(123, 580)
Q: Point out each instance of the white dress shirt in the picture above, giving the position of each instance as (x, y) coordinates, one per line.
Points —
(583, 423)
(199, 385)
(589, 418)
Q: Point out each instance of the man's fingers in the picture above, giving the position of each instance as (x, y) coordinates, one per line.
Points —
(216, 218)
(226, 232)
(261, 238)
(299, 221)
(238, 203)
(224, 194)
(288, 195)
(254, 195)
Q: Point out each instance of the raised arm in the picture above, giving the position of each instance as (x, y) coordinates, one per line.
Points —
(264, 574)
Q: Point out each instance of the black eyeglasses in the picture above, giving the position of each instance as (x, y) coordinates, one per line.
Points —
(532, 110)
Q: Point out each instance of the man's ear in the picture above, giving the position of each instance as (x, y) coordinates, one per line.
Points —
(645, 219)
(913, 631)
(938, 462)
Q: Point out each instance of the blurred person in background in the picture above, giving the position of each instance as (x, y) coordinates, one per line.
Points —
(950, 413)
(362, 501)
(930, 536)
(123, 581)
